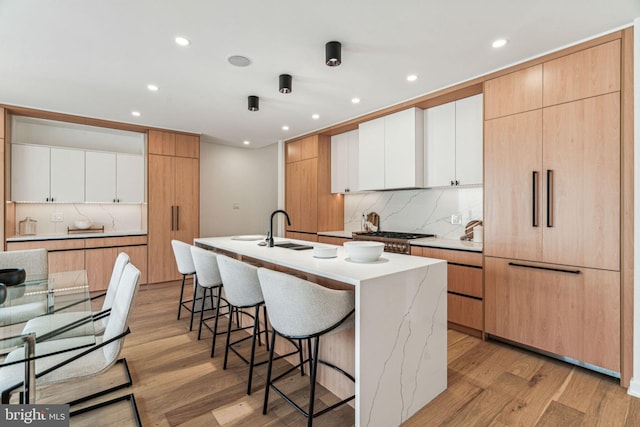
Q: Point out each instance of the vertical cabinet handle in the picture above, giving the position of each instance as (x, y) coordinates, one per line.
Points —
(534, 202)
(172, 218)
(177, 217)
(549, 198)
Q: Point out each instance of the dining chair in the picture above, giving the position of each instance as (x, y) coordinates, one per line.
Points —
(184, 261)
(302, 310)
(35, 264)
(61, 324)
(59, 366)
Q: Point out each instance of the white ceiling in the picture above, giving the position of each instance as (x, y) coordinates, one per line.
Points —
(95, 58)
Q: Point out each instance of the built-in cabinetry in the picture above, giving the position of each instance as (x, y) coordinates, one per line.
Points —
(465, 295)
(344, 162)
(97, 255)
(308, 199)
(552, 206)
(114, 177)
(333, 240)
(453, 143)
(173, 197)
(390, 152)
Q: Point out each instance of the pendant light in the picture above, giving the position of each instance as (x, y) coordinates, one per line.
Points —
(285, 83)
(254, 103)
(333, 54)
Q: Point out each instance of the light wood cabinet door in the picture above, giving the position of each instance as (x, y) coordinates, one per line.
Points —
(162, 266)
(582, 173)
(138, 257)
(187, 196)
(161, 142)
(302, 149)
(66, 260)
(302, 195)
(573, 313)
(513, 93)
(513, 162)
(187, 146)
(99, 263)
(591, 72)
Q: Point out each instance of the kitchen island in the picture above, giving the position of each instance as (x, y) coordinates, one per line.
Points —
(400, 341)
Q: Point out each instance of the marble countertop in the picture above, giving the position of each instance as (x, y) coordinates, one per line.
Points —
(435, 242)
(340, 268)
(74, 236)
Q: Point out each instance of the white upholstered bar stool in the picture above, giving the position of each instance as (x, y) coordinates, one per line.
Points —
(242, 291)
(184, 261)
(299, 309)
(209, 279)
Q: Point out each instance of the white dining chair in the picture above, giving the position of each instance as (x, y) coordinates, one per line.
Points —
(61, 324)
(55, 365)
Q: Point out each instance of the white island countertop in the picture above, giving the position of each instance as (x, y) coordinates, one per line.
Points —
(400, 340)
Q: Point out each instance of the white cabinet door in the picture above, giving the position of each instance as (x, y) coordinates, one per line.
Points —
(339, 163)
(344, 162)
(469, 140)
(29, 173)
(100, 179)
(67, 175)
(130, 178)
(403, 149)
(352, 167)
(371, 174)
(440, 145)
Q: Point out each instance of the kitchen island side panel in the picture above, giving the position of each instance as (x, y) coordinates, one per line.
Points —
(401, 344)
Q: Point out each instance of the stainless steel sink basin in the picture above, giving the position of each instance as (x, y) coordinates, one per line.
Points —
(293, 246)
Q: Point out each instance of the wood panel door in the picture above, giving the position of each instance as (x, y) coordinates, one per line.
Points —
(302, 195)
(161, 194)
(582, 173)
(513, 93)
(186, 202)
(513, 162)
(99, 262)
(573, 313)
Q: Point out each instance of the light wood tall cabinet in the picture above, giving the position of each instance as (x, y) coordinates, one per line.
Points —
(173, 199)
(308, 199)
(552, 206)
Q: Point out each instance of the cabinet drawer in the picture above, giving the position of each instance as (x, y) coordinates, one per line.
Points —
(464, 311)
(106, 242)
(452, 256)
(465, 280)
(50, 245)
(310, 237)
(339, 241)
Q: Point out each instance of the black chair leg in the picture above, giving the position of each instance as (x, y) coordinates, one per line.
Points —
(193, 302)
(301, 358)
(181, 296)
(312, 388)
(215, 322)
(256, 328)
(204, 295)
(269, 366)
(226, 347)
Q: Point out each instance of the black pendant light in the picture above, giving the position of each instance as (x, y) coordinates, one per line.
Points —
(254, 103)
(285, 83)
(333, 54)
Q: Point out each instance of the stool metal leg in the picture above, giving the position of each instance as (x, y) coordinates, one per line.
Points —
(193, 303)
(226, 347)
(312, 388)
(267, 387)
(204, 296)
(215, 322)
(181, 295)
(256, 327)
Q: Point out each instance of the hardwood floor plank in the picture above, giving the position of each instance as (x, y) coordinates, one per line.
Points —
(558, 414)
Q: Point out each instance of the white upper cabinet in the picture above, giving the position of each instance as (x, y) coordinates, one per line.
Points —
(67, 175)
(344, 162)
(391, 151)
(130, 178)
(453, 143)
(100, 178)
(30, 173)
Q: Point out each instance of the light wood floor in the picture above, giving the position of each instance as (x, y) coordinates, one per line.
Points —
(489, 384)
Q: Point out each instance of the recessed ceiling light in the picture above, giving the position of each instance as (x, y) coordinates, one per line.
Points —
(355, 100)
(239, 60)
(285, 127)
(499, 43)
(183, 41)
(136, 113)
(246, 142)
(315, 116)
(412, 78)
(152, 87)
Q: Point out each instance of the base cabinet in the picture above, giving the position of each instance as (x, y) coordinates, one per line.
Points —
(569, 311)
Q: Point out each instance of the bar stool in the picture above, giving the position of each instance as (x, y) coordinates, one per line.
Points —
(184, 261)
(208, 274)
(299, 309)
(242, 290)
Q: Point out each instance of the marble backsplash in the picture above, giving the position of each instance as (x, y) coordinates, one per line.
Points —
(418, 211)
(114, 217)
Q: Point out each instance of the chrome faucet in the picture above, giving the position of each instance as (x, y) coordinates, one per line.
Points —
(270, 236)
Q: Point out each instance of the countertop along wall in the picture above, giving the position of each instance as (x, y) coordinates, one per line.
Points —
(242, 177)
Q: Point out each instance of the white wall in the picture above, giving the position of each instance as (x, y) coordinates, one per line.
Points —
(247, 178)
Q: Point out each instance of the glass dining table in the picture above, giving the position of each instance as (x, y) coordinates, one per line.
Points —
(42, 297)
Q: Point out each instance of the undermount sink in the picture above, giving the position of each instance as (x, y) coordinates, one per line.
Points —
(293, 246)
